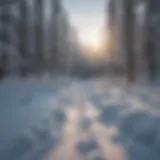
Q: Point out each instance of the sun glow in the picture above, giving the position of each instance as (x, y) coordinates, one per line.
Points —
(91, 39)
(94, 43)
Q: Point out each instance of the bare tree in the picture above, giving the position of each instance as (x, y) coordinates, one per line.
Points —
(39, 34)
(128, 29)
(23, 38)
(6, 2)
(54, 51)
(4, 38)
(111, 12)
(152, 24)
(128, 38)
(111, 9)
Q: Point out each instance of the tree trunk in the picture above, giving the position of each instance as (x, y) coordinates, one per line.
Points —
(128, 38)
(23, 39)
(39, 35)
(5, 40)
(54, 50)
(150, 48)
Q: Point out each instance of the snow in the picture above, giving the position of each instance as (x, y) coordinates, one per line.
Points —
(24, 108)
(40, 116)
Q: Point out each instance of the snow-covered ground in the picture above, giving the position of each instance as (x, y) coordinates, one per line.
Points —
(78, 119)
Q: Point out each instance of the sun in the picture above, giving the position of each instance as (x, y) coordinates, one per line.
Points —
(94, 40)
(90, 38)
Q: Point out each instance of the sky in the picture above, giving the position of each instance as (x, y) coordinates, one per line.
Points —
(86, 15)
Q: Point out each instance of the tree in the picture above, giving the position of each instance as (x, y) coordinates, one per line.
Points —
(39, 34)
(56, 7)
(7, 2)
(111, 12)
(112, 26)
(4, 38)
(128, 37)
(23, 38)
(152, 24)
(128, 24)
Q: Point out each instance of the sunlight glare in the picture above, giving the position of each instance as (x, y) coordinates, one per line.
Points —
(90, 38)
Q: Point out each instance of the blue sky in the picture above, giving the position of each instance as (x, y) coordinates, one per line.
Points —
(86, 15)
